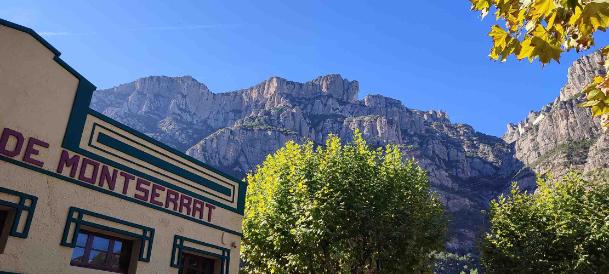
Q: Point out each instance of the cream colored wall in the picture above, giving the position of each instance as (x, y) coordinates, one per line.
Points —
(36, 99)
(41, 251)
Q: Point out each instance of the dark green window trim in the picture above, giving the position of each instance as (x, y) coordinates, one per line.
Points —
(181, 244)
(26, 205)
(76, 219)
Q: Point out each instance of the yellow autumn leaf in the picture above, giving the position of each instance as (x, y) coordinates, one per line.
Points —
(597, 111)
(542, 9)
(551, 20)
(527, 50)
(503, 44)
(593, 94)
(592, 17)
(587, 104)
(481, 5)
(544, 29)
(597, 80)
(604, 86)
(499, 36)
(605, 50)
(539, 45)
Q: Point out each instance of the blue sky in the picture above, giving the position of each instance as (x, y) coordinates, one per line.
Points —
(428, 54)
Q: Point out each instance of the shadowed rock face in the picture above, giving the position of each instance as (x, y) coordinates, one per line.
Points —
(234, 131)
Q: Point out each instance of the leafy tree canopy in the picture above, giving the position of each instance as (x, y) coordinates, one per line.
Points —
(340, 209)
(544, 29)
(562, 228)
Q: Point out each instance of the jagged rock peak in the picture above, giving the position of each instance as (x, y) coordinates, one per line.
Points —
(163, 84)
(331, 85)
(377, 100)
(581, 73)
(563, 136)
(335, 85)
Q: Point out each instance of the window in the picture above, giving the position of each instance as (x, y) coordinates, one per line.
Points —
(16, 213)
(5, 226)
(193, 264)
(101, 252)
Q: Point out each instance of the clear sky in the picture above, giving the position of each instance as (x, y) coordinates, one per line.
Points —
(430, 54)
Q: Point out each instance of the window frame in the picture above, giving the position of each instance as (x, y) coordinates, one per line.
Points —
(187, 256)
(21, 208)
(79, 218)
(112, 240)
(183, 245)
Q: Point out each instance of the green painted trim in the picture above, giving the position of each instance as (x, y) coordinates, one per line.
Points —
(195, 250)
(222, 263)
(90, 143)
(242, 184)
(150, 177)
(119, 145)
(241, 200)
(75, 217)
(19, 209)
(179, 248)
(76, 121)
(163, 146)
(202, 243)
(115, 194)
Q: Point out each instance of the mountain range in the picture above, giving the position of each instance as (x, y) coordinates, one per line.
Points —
(234, 131)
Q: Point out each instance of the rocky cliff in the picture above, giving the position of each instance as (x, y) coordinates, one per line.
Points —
(562, 136)
(234, 131)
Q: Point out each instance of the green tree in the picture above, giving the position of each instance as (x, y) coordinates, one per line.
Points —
(340, 209)
(544, 29)
(562, 228)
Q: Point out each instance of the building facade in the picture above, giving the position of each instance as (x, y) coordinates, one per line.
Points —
(81, 193)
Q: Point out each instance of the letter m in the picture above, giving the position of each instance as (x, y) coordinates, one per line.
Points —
(67, 161)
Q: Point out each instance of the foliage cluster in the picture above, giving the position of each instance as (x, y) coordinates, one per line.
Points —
(340, 209)
(446, 262)
(544, 29)
(562, 228)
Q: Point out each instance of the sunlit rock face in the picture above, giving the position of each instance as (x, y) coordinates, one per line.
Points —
(234, 131)
(562, 136)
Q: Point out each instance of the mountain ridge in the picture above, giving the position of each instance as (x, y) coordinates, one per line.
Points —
(235, 130)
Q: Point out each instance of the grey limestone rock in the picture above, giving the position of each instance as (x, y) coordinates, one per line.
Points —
(234, 131)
